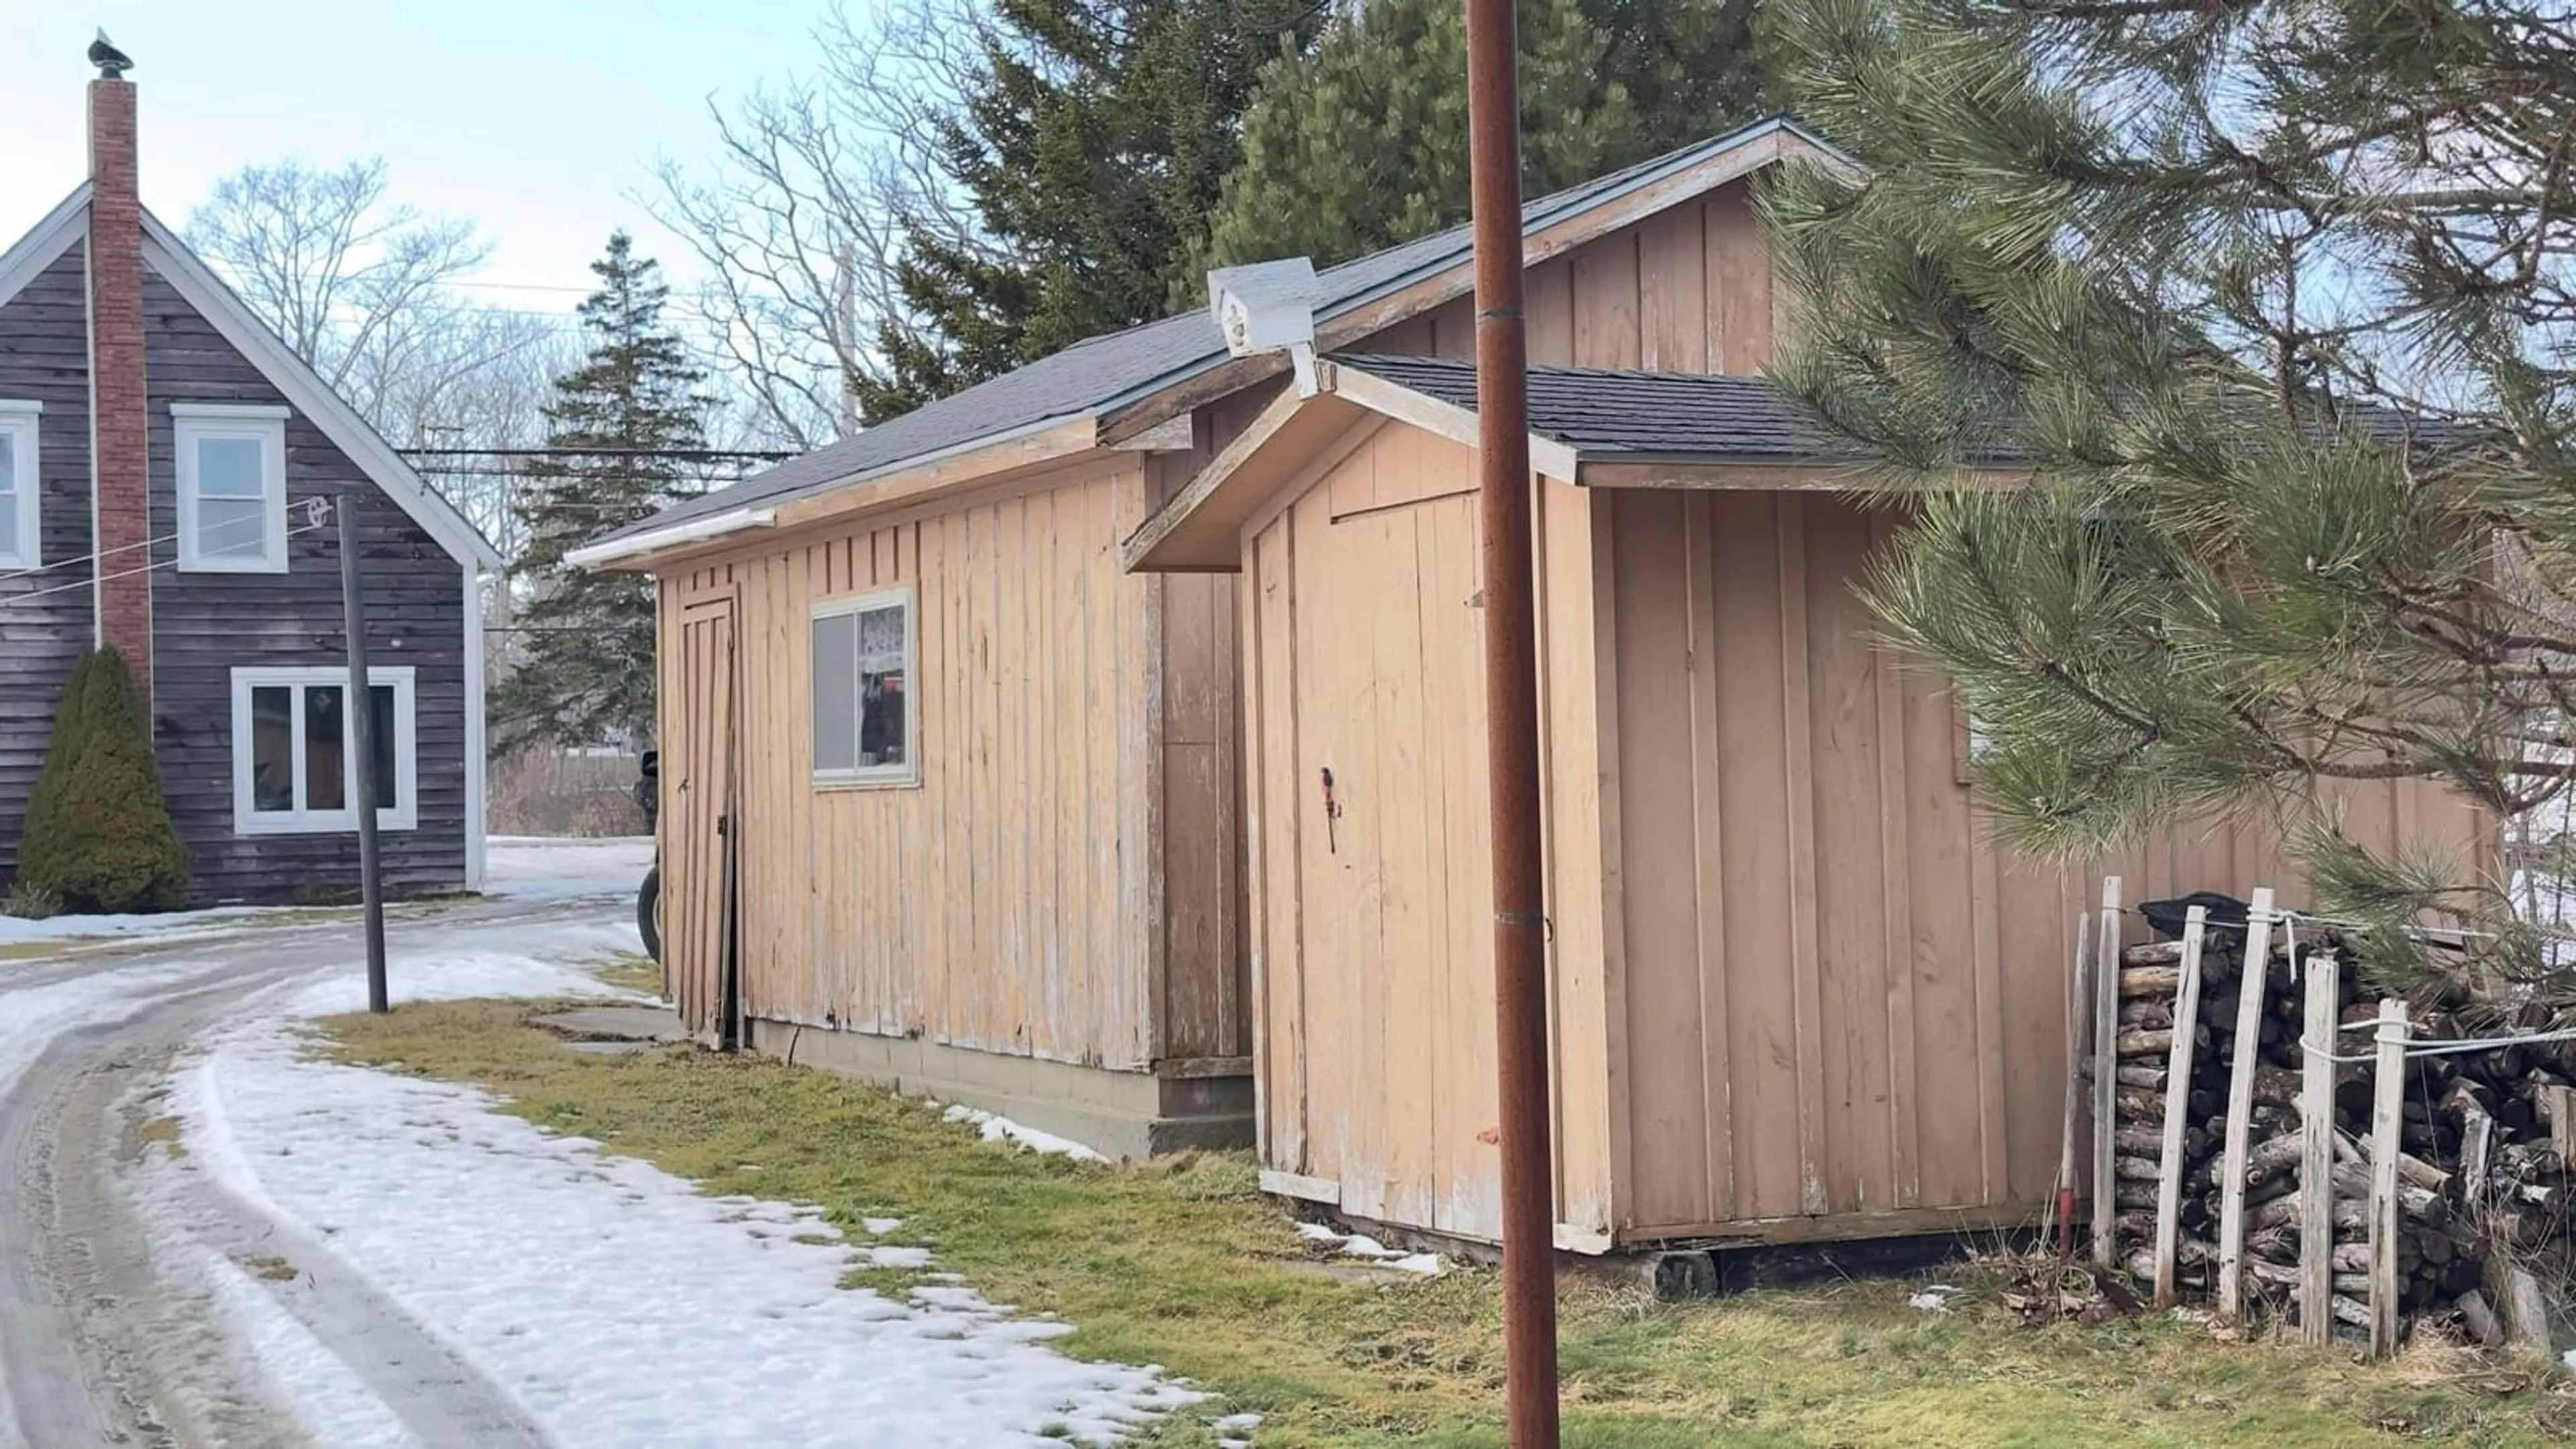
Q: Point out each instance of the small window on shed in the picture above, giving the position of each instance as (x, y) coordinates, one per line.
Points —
(862, 671)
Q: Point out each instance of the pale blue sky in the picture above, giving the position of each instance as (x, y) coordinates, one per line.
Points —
(537, 119)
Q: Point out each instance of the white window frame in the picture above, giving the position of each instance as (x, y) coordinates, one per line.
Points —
(18, 424)
(873, 776)
(403, 815)
(193, 423)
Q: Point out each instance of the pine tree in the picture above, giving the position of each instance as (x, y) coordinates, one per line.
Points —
(98, 835)
(2273, 300)
(1093, 143)
(628, 416)
(1361, 142)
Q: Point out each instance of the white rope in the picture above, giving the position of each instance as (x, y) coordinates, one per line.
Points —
(2440, 1046)
(318, 508)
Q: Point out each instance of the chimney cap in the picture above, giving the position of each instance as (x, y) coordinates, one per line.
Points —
(112, 63)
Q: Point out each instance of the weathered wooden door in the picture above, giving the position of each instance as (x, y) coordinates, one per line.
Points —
(701, 824)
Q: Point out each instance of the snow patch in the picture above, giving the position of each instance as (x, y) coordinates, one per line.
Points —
(170, 925)
(1934, 1299)
(587, 1286)
(1361, 1245)
(535, 867)
(329, 1402)
(38, 1014)
(1003, 1129)
(879, 1227)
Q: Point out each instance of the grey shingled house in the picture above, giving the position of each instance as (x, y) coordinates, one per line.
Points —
(162, 456)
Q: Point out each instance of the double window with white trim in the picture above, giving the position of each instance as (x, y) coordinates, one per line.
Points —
(21, 511)
(865, 728)
(232, 487)
(293, 766)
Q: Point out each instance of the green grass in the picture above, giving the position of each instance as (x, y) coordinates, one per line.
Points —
(1184, 1264)
(630, 972)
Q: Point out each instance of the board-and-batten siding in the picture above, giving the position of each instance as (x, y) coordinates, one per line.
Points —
(206, 624)
(1016, 900)
(1363, 653)
(1687, 290)
(1841, 997)
(44, 358)
(1791, 977)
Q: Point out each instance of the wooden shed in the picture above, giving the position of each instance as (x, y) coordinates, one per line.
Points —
(1795, 992)
(950, 798)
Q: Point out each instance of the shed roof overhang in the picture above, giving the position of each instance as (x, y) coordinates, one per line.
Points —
(1200, 530)
(1128, 385)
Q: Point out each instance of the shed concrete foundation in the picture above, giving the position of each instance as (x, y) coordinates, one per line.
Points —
(1122, 1115)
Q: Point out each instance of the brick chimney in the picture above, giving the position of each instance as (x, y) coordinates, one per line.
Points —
(120, 492)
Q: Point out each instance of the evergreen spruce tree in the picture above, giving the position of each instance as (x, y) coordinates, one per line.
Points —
(629, 414)
(98, 835)
(2275, 302)
(1361, 141)
(1093, 144)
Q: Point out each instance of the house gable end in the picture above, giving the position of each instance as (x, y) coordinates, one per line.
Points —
(44, 243)
(298, 385)
(213, 629)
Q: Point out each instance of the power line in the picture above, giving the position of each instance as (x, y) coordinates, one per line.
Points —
(524, 473)
(687, 455)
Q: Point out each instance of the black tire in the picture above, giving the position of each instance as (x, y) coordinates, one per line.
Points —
(648, 912)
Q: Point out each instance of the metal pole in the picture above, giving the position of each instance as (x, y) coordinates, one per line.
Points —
(1511, 728)
(358, 725)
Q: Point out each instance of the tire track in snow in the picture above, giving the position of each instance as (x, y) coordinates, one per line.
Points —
(103, 1341)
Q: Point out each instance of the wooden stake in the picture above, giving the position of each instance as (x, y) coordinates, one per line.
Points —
(2177, 1108)
(2106, 1067)
(2240, 1108)
(2388, 1112)
(2557, 1106)
(2079, 1007)
(2316, 1160)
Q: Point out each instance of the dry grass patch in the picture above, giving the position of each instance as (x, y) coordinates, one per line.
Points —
(1183, 1263)
(630, 972)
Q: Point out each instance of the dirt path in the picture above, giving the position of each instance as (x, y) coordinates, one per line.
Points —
(108, 1330)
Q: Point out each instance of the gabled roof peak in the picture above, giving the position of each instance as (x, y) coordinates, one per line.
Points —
(1101, 375)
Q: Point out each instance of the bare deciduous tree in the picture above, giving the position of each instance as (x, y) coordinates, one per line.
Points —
(799, 221)
(343, 273)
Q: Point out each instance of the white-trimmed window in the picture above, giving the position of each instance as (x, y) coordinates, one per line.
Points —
(21, 513)
(232, 487)
(865, 728)
(292, 766)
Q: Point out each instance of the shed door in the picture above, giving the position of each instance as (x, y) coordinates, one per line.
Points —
(702, 824)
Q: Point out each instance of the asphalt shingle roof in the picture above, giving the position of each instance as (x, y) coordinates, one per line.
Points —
(1616, 415)
(1109, 371)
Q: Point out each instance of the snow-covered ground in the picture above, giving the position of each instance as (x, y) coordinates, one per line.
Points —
(15, 932)
(613, 1303)
(521, 867)
(532, 867)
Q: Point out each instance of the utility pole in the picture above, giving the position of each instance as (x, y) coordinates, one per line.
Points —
(1511, 727)
(358, 721)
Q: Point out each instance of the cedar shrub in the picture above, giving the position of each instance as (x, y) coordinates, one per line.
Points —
(98, 835)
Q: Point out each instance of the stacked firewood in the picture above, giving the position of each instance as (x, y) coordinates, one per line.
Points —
(2486, 1139)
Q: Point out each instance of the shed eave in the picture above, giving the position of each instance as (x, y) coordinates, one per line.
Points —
(1755, 473)
(1200, 529)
